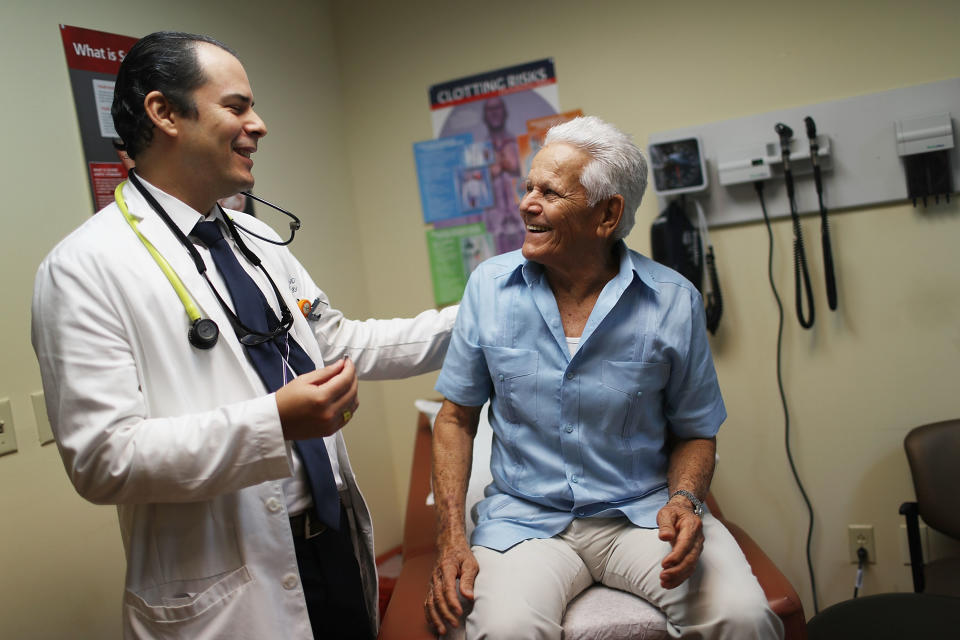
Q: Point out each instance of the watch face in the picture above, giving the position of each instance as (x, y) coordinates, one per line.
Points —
(677, 165)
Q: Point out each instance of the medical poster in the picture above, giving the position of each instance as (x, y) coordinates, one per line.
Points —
(454, 253)
(454, 176)
(482, 186)
(93, 60)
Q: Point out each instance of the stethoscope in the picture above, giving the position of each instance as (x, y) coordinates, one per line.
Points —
(204, 332)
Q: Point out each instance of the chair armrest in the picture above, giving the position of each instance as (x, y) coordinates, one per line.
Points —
(781, 596)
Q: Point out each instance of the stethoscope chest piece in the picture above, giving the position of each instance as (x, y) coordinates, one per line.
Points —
(203, 333)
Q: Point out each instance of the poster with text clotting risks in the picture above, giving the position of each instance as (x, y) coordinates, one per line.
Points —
(474, 160)
(494, 107)
(93, 60)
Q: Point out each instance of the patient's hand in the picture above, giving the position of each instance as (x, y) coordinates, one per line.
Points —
(454, 560)
(683, 529)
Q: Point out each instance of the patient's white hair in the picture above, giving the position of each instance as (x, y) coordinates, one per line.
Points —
(618, 166)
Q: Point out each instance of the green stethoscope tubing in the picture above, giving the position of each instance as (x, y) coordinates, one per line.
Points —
(188, 304)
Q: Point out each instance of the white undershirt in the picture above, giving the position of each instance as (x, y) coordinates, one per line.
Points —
(572, 344)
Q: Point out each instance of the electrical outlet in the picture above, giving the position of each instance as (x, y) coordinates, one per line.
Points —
(8, 436)
(861, 535)
(44, 432)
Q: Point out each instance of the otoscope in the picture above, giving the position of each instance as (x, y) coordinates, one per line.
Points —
(799, 255)
(824, 222)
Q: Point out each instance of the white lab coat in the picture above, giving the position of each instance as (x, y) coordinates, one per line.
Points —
(187, 443)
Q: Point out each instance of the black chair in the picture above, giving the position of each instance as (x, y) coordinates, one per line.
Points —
(887, 616)
(933, 452)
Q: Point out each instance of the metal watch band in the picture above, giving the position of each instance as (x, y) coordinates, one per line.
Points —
(697, 505)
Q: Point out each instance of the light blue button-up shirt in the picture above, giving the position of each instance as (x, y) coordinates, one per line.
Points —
(582, 435)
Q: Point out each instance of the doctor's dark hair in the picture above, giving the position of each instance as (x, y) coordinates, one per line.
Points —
(164, 61)
(617, 167)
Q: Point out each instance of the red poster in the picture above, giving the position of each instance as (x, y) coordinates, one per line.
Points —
(98, 51)
(105, 176)
(93, 61)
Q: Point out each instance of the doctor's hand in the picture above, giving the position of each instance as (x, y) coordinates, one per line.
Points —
(683, 529)
(443, 604)
(318, 403)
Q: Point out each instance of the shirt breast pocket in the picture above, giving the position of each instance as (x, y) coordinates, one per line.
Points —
(635, 390)
(514, 375)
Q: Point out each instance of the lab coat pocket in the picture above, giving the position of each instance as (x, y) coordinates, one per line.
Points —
(183, 600)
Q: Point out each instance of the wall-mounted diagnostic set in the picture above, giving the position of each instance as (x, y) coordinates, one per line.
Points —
(890, 146)
(883, 147)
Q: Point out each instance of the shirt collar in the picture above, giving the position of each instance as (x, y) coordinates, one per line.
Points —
(182, 214)
(533, 271)
(629, 267)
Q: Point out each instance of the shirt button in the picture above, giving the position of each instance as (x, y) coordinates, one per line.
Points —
(568, 428)
(273, 505)
(570, 375)
(500, 377)
(290, 581)
(574, 479)
(639, 393)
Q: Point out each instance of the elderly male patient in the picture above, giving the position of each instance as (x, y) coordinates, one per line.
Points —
(604, 405)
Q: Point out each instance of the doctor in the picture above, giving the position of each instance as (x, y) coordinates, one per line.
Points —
(204, 450)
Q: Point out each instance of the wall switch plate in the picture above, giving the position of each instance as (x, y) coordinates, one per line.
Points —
(8, 436)
(44, 432)
(861, 535)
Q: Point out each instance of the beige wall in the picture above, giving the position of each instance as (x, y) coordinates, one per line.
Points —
(886, 360)
(344, 96)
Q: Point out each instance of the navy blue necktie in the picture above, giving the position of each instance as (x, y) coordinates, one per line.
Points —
(270, 359)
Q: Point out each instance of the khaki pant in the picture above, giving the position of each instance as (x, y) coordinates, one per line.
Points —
(524, 591)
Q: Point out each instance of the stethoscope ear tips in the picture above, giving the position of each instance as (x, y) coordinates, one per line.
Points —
(204, 333)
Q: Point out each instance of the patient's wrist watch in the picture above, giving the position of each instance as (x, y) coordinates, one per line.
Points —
(697, 505)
